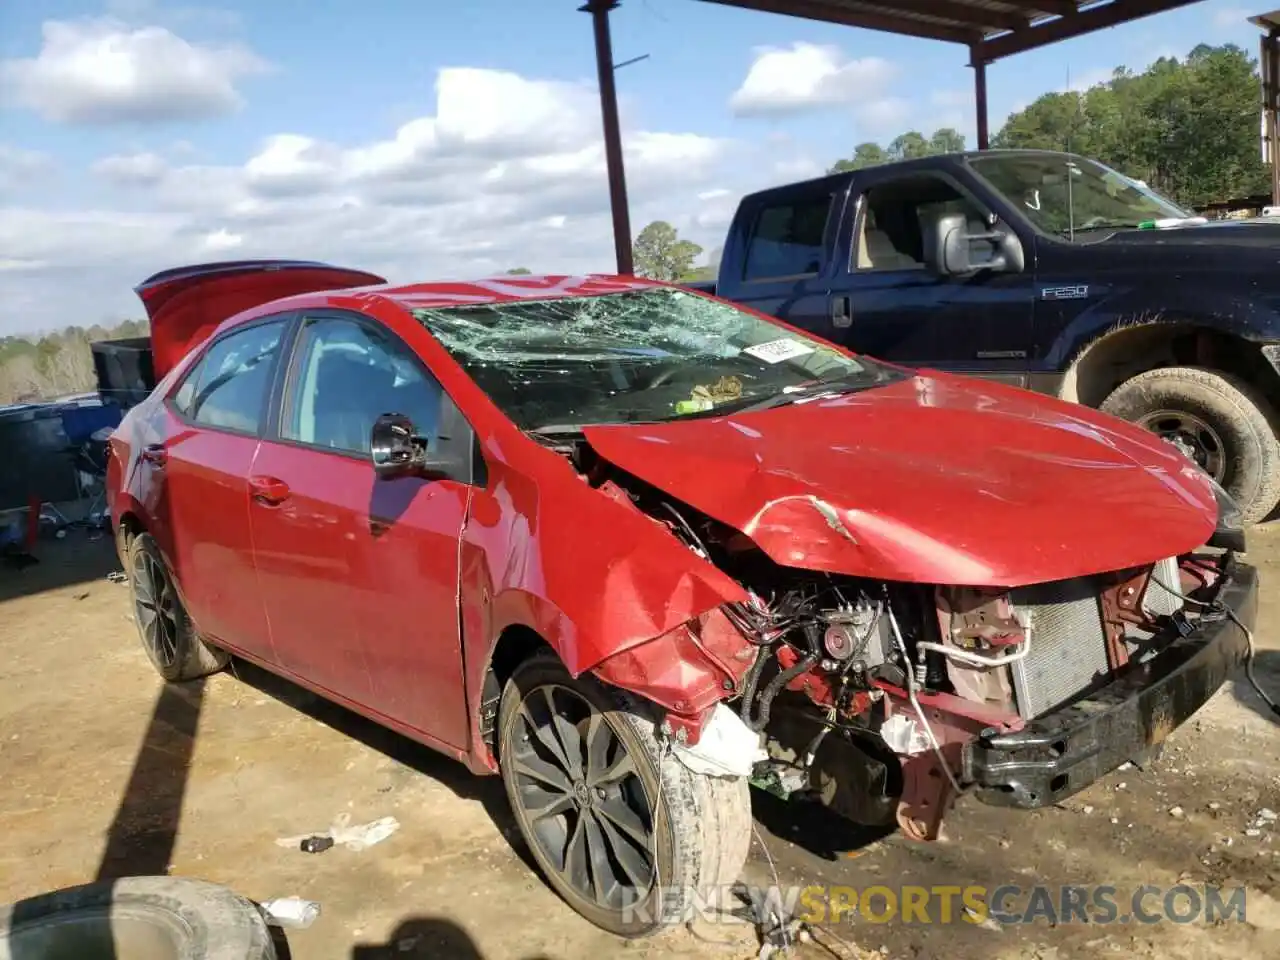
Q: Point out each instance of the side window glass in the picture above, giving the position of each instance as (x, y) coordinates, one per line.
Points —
(349, 374)
(896, 217)
(228, 388)
(788, 239)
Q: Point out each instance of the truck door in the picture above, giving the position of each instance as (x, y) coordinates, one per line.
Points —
(782, 245)
(901, 310)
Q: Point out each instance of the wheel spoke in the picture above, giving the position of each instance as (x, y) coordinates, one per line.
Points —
(535, 768)
(598, 857)
(635, 863)
(625, 819)
(596, 745)
(546, 737)
(566, 736)
(576, 870)
(541, 804)
(621, 767)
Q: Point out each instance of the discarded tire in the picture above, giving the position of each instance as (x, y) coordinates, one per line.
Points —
(139, 918)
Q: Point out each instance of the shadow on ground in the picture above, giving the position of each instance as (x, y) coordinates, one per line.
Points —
(58, 563)
(419, 938)
(442, 769)
(813, 827)
(1266, 670)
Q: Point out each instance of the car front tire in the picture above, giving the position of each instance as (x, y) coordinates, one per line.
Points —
(631, 838)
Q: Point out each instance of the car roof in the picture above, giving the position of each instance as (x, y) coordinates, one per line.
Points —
(509, 288)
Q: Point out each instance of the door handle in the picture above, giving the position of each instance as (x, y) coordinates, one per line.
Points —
(268, 490)
(154, 453)
(841, 312)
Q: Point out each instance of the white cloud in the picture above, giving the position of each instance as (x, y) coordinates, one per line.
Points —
(98, 71)
(472, 189)
(1226, 18)
(20, 168)
(132, 169)
(807, 76)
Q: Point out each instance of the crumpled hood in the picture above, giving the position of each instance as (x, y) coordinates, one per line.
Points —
(933, 479)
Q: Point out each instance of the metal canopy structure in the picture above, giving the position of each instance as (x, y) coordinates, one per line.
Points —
(991, 29)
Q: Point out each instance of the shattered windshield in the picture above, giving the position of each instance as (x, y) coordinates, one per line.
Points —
(637, 356)
(1065, 195)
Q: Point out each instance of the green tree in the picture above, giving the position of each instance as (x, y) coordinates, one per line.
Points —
(519, 271)
(946, 140)
(864, 155)
(908, 146)
(1189, 128)
(659, 253)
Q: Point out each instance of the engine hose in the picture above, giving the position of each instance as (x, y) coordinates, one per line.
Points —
(775, 687)
(750, 681)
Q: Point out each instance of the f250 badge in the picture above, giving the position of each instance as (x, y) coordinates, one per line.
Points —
(1074, 292)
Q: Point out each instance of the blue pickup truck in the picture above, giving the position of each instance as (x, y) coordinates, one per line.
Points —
(1044, 270)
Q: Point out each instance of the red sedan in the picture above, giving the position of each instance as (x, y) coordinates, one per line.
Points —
(634, 548)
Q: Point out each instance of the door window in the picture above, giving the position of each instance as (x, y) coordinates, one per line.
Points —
(350, 373)
(229, 385)
(894, 221)
(789, 239)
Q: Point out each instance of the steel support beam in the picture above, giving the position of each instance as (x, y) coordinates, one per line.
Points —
(599, 10)
(1064, 28)
(980, 102)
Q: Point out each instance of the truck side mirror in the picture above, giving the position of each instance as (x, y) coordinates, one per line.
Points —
(950, 250)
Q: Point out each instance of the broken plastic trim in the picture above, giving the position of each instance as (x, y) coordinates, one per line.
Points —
(685, 671)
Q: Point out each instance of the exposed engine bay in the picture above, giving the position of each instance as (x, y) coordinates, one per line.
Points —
(867, 692)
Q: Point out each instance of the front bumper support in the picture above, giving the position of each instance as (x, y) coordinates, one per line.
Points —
(1065, 750)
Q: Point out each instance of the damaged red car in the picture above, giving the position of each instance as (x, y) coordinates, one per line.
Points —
(634, 548)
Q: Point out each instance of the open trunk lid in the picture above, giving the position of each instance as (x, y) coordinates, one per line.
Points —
(185, 304)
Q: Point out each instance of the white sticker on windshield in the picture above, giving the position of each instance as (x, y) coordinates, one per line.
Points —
(775, 351)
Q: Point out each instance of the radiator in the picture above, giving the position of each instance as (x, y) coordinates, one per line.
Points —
(1068, 644)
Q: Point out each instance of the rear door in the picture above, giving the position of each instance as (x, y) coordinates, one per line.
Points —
(214, 416)
(902, 311)
(782, 244)
(359, 575)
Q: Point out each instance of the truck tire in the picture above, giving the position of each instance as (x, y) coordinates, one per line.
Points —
(691, 831)
(1219, 420)
(168, 636)
(148, 918)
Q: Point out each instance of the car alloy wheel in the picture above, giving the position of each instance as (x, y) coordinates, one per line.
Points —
(155, 605)
(582, 799)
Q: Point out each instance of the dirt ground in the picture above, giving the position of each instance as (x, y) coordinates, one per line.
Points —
(105, 772)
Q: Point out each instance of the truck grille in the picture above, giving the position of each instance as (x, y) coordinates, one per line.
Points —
(1068, 644)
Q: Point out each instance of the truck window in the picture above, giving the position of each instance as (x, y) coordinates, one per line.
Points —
(788, 239)
(891, 222)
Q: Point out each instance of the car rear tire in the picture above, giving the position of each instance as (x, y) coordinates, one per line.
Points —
(141, 918)
(168, 636)
(1219, 420)
(625, 833)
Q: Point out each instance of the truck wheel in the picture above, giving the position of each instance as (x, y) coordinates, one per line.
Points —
(623, 831)
(168, 635)
(145, 917)
(1218, 420)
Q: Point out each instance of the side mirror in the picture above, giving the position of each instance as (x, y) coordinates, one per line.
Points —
(400, 451)
(951, 250)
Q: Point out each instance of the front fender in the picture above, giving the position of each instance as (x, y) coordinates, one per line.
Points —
(1246, 316)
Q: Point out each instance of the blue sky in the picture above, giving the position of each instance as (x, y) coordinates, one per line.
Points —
(425, 138)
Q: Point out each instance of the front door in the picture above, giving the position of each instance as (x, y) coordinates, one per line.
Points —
(902, 311)
(360, 575)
